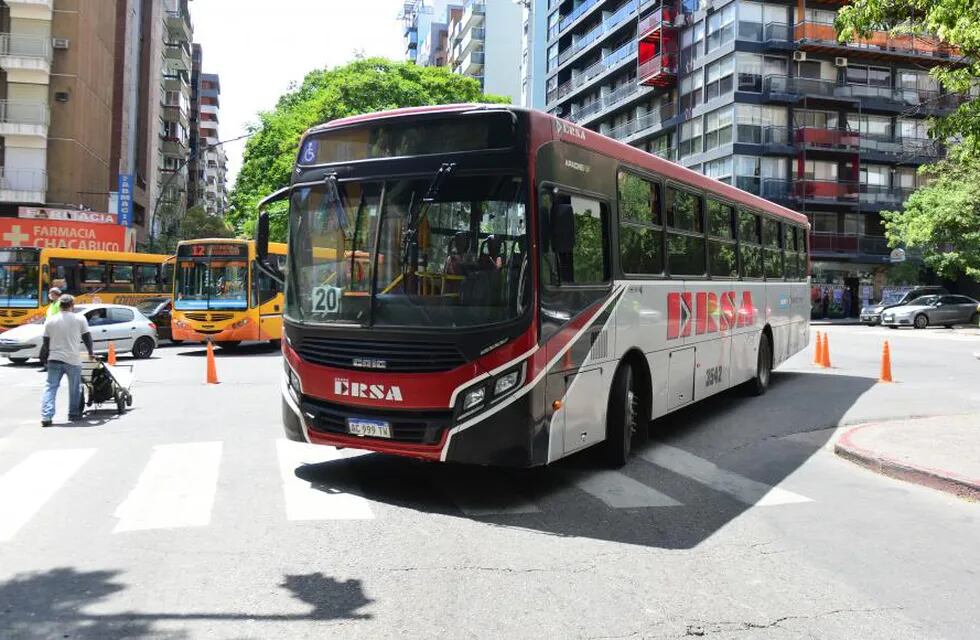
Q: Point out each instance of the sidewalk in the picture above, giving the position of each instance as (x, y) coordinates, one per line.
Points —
(942, 453)
(834, 321)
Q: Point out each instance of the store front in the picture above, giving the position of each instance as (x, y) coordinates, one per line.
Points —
(840, 289)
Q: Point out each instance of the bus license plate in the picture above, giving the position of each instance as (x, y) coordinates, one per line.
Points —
(368, 428)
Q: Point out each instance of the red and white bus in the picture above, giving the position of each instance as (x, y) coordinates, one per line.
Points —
(493, 285)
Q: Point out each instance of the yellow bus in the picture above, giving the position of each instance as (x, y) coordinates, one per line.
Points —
(117, 277)
(221, 295)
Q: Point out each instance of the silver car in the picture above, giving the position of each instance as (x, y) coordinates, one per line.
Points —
(126, 327)
(945, 310)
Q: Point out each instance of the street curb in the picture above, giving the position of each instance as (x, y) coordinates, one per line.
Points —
(938, 479)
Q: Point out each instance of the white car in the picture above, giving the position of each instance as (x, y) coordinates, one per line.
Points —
(126, 327)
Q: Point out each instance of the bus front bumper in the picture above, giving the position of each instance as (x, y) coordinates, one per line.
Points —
(508, 437)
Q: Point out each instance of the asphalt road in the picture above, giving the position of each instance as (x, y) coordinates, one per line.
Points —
(190, 517)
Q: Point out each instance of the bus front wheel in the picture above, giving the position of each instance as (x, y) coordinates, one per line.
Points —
(626, 417)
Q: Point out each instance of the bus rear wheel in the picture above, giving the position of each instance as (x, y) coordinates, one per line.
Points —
(763, 368)
(627, 417)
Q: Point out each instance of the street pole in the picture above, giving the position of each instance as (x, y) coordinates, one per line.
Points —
(170, 178)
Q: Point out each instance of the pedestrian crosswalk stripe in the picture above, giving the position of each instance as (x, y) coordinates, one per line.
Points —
(479, 501)
(700, 470)
(176, 489)
(29, 485)
(620, 491)
(317, 500)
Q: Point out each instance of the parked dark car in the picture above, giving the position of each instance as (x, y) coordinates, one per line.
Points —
(933, 310)
(871, 315)
(158, 310)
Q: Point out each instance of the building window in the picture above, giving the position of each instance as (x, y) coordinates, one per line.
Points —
(718, 128)
(720, 169)
(870, 76)
(553, 57)
(815, 119)
(692, 87)
(692, 44)
(824, 223)
(749, 72)
(719, 77)
(820, 16)
(721, 27)
(761, 175)
(853, 224)
(757, 124)
(690, 137)
(876, 126)
(819, 170)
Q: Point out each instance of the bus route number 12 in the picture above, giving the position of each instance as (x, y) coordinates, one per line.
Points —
(326, 299)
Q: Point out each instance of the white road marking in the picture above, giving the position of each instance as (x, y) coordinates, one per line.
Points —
(700, 470)
(620, 491)
(176, 489)
(317, 500)
(479, 501)
(29, 485)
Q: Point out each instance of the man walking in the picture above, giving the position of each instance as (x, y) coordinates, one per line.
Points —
(54, 293)
(64, 333)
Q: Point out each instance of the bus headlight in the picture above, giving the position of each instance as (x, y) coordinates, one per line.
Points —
(474, 398)
(292, 381)
(506, 382)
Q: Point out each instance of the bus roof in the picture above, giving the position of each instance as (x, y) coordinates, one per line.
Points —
(91, 254)
(596, 142)
(274, 247)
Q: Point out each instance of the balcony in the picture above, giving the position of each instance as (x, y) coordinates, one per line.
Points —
(174, 112)
(830, 192)
(474, 13)
(888, 148)
(820, 139)
(31, 9)
(177, 56)
(474, 37)
(839, 243)
(659, 71)
(779, 88)
(179, 25)
(171, 146)
(596, 33)
(24, 118)
(23, 185)
(666, 154)
(661, 17)
(576, 13)
(822, 36)
(174, 82)
(651, 121)
(876, 197)
(29, 56)
(472, 64)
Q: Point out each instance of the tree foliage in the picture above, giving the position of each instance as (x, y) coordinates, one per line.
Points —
(943, 219)
(363, 86)
(197, 223)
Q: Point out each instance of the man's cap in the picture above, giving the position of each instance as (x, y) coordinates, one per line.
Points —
(54, 291)
(66, 301)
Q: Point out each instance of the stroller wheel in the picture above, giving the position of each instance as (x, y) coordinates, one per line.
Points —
(120, 402)
(129, 399)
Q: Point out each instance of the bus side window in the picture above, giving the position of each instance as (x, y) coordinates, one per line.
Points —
(686, 254)
(588, 261)
(640, 232)
(773, 249)
(148, 278)
(749, 245)
(121, 278)
(94, 276)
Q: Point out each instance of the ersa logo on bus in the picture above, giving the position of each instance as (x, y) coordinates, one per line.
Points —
(344, 387)
(707, 312)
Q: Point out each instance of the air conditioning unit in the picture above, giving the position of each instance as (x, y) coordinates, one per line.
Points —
(799, 56)
(840, 62)
(60, 43)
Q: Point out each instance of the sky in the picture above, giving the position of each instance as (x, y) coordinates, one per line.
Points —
(258, 48)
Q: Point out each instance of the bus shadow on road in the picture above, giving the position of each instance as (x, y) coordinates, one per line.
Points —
(704, 466)
(256, 350)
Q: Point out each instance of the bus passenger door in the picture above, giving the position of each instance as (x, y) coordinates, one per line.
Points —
(270, 302)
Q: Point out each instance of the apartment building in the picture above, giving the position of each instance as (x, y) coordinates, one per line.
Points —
(485, 43)
(760, 95)
(481, 39)
(533, 45)
(55, 102)
(174, 122)
(211, 165)
(195, 185)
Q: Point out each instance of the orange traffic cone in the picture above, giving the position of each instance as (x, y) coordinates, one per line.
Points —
(825, 352)
(817, 349)
(112, 353)
(886, 364)
(212, 368)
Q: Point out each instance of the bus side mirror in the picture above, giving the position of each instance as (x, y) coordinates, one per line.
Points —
(262, 237)
(563, 229)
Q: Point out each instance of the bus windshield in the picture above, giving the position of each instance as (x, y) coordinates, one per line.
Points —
(409, 252)
(212, 277)
(19, 279)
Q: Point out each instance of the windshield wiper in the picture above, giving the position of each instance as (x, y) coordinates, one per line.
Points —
(417, 213)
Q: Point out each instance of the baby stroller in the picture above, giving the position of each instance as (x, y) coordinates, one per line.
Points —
(103, 383)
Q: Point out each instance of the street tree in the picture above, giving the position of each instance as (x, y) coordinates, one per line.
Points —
(943, 219)
(198, 223)
(362, 86)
